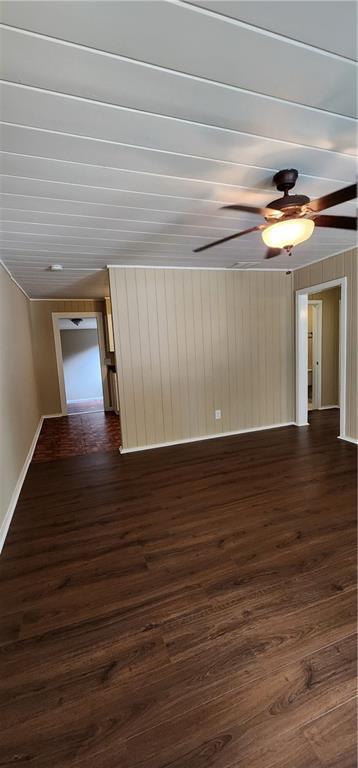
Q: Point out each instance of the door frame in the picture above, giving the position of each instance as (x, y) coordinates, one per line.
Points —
(316, 353)
(59, 360)
(302, 351)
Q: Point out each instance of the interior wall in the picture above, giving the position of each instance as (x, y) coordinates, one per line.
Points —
(343, 265)
(19, 402)
(190, 342)
(81, 364)
(330, 345)
(45, 355)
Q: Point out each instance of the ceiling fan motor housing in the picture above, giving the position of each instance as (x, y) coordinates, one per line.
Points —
(286, 179)
(290, 203)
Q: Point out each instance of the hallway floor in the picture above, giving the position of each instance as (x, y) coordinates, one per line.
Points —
(191, 606)
(80, 406)
(77, 435)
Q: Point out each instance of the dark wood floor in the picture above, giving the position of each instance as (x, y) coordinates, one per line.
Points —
(185, 607)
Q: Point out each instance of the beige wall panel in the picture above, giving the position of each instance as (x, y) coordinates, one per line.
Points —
(124, 363)
(164, 355)
(195, 332)
(189, 342)
(19, 402)
(343, 265)
(44, 345)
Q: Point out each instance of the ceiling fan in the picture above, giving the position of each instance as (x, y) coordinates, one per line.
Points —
(291, 219)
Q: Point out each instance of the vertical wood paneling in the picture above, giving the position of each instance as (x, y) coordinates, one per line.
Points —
(168, 281)
(198, 339)
(124, 363)
(146, 342)
(192, 381)
(244, 352)
(252, 372)
(207, 353)
(343, 265)
(163, 348)
(191, 342)
(139, 362)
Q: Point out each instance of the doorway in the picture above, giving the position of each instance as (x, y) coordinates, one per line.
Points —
(81, 362)
(314, 362)
(330, 390)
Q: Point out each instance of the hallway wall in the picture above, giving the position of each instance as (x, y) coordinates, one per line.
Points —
(19, 398)
(345, 264)
(45, 356)
(81, 364)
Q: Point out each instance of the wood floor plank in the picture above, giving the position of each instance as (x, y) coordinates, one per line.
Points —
(238, 721)
(187, 607)
(166, 690)
(333, 736)
(290, 750)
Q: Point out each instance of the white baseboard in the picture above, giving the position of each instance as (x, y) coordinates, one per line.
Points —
(205, 437)
(348, 439)
(52, 415)
(14, 499)
(327, 407)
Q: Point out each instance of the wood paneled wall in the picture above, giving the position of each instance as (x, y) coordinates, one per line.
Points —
(345, 264)
(189, 342)
(44, 345)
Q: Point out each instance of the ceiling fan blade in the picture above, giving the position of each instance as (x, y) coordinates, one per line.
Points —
(334, 198)
(252, 209)
(340, 222)
(271, 252)
(225, 239)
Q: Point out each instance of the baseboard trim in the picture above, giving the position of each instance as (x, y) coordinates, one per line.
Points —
(348, 439)
(15, 496)
(205, 437)
(327, 407)
(52, 415)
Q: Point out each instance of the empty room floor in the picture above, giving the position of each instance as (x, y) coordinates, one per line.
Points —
(79, 406)
(189, 606)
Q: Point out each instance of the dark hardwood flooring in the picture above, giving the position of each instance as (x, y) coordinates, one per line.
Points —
(184, 607)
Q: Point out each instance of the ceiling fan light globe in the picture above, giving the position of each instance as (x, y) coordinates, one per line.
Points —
(287, 233)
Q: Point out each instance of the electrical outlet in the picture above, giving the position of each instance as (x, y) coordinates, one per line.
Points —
(218, 414)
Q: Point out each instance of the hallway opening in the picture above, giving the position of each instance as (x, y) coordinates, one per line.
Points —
(323, 349)
(81, 362)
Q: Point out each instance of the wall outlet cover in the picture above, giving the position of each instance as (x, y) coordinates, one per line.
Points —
(218, 414)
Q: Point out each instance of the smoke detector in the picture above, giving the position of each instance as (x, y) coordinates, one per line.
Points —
(56, 268)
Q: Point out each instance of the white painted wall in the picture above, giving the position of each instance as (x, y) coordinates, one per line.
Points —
(81, 364)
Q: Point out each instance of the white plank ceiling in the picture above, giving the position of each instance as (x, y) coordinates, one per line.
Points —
(126, 125)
